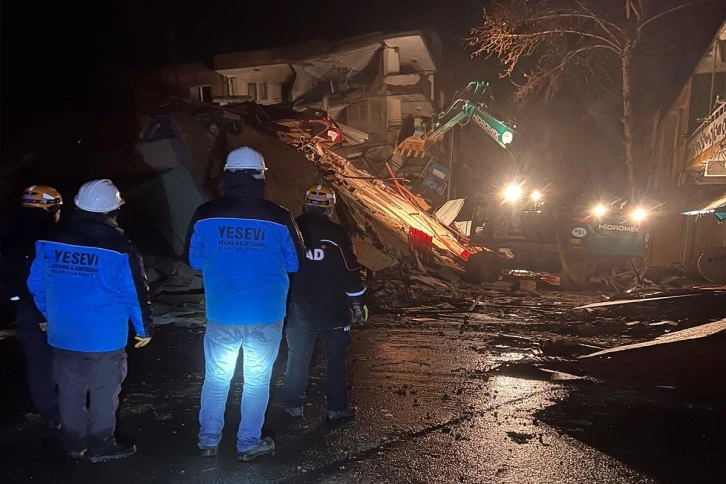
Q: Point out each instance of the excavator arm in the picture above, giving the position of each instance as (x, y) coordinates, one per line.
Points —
(417, 136)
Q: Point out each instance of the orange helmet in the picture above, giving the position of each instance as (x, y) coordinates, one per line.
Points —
(41, 196)
(320, 196)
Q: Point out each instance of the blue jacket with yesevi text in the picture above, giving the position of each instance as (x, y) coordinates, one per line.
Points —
(245, 247)
(88, 280)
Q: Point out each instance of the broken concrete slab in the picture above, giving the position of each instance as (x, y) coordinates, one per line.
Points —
(167, 202)
(693, 359)
(676, 304)
(371, 257)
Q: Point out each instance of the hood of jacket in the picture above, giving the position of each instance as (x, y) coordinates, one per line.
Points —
(95, 225)
(240, 184)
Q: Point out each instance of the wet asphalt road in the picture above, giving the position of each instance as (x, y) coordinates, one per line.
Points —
(433, 406)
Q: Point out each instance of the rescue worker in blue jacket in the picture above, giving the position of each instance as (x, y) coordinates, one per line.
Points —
(323, 292)
(245, 247)
(88, 281)
(36, 219)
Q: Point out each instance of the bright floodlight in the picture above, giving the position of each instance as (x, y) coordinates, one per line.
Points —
(513, 192)
(599, 210)
(536, 196)
(507, 137)
(638, 215)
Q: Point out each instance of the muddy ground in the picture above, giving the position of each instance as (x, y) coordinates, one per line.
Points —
(444, 394)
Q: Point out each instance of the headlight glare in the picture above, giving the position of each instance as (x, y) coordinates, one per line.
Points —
(512, 192)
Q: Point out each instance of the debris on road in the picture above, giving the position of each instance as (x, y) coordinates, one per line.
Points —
(693, 359)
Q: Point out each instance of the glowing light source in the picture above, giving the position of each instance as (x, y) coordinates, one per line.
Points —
(512, 192)
(536, 196)
(507, 137)
(639, 214)
(599, 210)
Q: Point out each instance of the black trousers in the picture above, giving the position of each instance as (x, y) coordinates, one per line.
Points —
(300, 344)
(88, 388)
(38, 364)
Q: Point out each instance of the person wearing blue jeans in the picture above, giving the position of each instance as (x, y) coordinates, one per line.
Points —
(245, 247)
(260, 344)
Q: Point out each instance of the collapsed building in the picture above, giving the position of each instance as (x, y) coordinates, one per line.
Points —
(349, 98)
(318, 111)
(185, 145)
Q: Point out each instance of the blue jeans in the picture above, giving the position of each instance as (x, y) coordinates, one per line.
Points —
(260, 344)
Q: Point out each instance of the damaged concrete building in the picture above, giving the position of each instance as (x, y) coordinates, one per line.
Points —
(366, 84)
(370, 83)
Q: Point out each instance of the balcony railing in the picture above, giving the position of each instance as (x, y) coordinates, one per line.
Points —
(707, 135)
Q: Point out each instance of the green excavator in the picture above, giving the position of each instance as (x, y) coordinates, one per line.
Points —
(533, 233)
(419, 133)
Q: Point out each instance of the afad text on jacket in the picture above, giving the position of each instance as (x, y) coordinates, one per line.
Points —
(329, 276)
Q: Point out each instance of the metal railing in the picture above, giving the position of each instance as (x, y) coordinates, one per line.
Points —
(720, 109)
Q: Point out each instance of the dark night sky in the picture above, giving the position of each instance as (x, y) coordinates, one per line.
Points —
(53, 55)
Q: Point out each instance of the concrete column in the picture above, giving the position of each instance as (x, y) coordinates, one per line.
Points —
(391, 60)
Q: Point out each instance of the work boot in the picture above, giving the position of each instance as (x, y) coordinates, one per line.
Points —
(115, 452)
(264, 446)
(76, 454)
(345, 414)
(55, 425)
(296, 412)
(207, 450)
(74, 446)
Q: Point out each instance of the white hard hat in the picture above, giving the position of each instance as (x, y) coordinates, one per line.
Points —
(100, 196)
(244, 158)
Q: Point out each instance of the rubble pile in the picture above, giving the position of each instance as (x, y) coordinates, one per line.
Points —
(412, 258)
(184, 147)
(380, 209)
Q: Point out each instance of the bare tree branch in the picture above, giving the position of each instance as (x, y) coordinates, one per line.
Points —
(636, 11)
(592, 38)
(645, 23)
(608, 27)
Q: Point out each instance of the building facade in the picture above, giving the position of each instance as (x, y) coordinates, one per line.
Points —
(370, 82)
(689, 162)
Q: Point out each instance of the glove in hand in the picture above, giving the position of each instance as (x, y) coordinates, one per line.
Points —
(141, 342)
(360, 313)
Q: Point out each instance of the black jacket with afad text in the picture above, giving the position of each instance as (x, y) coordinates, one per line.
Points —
(329, 276)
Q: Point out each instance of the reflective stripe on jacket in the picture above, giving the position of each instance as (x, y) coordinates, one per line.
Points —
(328, 278)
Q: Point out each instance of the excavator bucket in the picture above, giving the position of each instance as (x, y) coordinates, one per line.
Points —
(412, 139)
(419, 133)
(413, 146)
